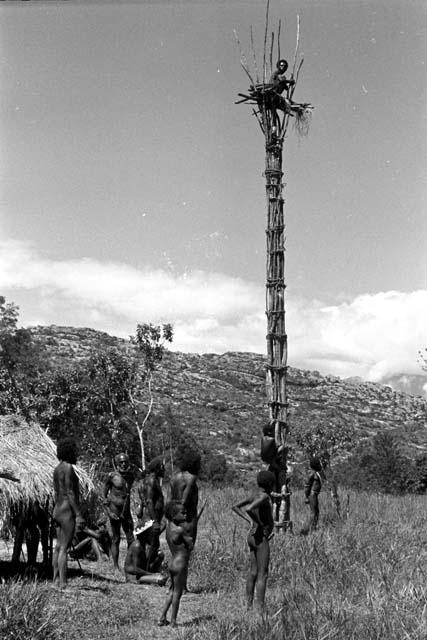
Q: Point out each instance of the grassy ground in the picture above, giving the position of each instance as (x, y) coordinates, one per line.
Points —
(362, 578)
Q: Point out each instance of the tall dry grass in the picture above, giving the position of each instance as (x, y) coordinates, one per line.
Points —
(363, 577)
(24, 612)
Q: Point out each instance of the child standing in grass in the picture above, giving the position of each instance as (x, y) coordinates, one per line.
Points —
(181, 544)
(311, 491)
(258, 512)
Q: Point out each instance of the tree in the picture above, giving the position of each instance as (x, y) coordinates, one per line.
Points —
(380, 465)
(150, 341)
(21, 363)
(326, 439)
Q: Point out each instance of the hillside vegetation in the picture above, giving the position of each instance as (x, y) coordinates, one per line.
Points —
(220, 399)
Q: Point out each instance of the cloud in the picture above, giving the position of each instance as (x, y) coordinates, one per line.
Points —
(373, 335)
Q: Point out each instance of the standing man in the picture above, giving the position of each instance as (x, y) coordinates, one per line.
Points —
(183, 487)
(152, 505)
(66, 513)
(117, 490)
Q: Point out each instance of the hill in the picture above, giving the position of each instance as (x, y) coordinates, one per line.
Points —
(221, 398)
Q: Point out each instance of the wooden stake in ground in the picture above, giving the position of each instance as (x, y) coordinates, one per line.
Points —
(273, 113)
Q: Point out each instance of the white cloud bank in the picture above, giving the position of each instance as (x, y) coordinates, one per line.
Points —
(373, 335)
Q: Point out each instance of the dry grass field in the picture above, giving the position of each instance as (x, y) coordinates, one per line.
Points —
(360, 578)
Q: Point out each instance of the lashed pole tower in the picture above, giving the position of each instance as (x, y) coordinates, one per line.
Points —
(274, 112)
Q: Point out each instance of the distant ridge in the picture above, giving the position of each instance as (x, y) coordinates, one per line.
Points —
(221, 398)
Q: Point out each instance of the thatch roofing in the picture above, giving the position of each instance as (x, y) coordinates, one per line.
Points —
(29, 454)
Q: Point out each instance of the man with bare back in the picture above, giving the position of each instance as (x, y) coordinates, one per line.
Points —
(117, 490)
(183, 487)
(152, 505)
(66, 513)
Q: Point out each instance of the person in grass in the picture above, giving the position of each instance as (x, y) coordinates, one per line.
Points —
(180, 542)
(183, 486)
(117, 490)
(66, 513)
(312, 489)
(137, 567)
(152, 506)
(258, 512)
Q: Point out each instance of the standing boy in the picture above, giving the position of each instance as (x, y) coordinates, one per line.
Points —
(180, 542)
(311, 491)
(258, 513)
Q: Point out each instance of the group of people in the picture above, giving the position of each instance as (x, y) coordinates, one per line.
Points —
(144, 557)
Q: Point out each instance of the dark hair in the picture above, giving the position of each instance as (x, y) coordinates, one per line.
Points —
(268, 429)
(279, 62)
(66, 450)
(171, 509)
(189, 460)
(315, 464)
(266, 480)
(155, 465)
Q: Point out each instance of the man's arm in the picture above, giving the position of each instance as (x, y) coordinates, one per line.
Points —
(71, 482)
(238, 509)
(107, 487)
(253, 509)
(188, 541)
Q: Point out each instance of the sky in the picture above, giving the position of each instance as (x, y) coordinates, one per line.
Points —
(131, 186)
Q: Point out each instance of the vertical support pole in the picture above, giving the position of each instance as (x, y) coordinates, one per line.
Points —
(277, 346)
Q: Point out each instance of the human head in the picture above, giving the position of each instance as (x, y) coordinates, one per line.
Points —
(282, 65)
(66, 450)
(189, 460)
(122, 462)
(156, 466)
(266, 480)
(174, 511)
(268, 429)
(315, 464)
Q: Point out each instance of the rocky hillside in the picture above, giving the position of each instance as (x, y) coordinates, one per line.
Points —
(221, 398)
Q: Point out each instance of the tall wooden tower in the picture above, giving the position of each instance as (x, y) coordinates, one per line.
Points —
(274, 108)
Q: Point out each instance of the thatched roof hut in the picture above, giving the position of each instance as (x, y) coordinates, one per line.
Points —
(29, 454)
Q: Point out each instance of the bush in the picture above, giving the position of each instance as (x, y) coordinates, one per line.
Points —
(215, 469)
(378, 466)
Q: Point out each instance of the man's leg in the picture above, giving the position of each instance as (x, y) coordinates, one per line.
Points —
(115, 541)
(32, 539)
(314, 508)
(154, 544)
(251, 579)
(263, 561)
(127, 524)
(163, 621)
(178, 582)
(65, 537)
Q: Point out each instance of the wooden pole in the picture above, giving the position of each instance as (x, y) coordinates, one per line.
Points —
(273, 113)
